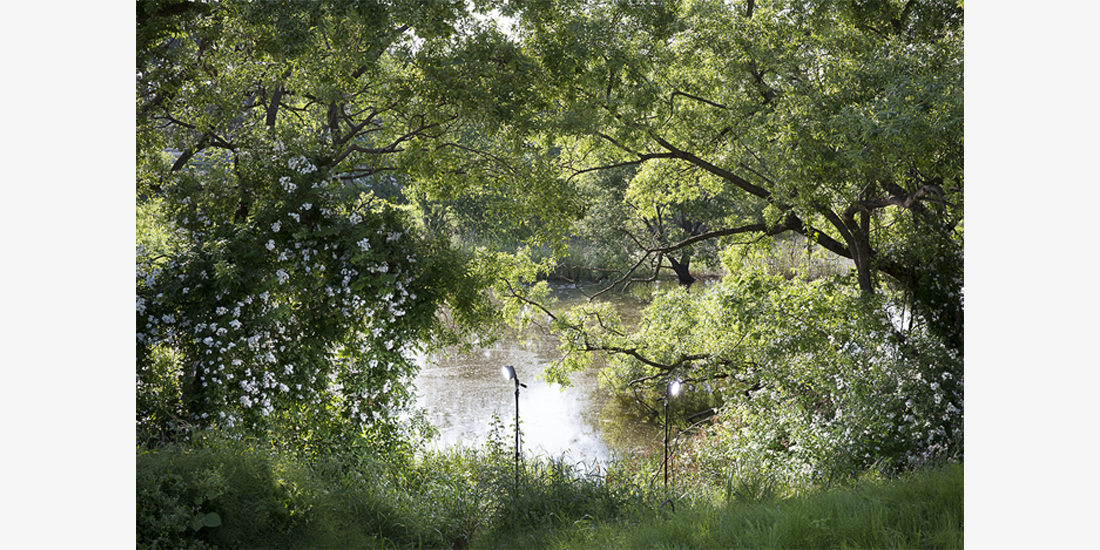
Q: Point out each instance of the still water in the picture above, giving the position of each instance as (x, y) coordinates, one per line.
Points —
(462, 392)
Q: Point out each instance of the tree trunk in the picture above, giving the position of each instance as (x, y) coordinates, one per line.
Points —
(861, 254)
(682, 269)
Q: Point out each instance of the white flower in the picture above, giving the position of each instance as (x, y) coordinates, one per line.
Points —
(307, 206)
(276, 226)
(221, 310)
(296, 217)
(364, 244)
(355, 218)
(270, 244)
(236, 324)
(282, 275)
(301, 164)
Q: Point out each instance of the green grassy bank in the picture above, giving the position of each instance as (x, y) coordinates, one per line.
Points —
(924, 510)
(218, 493)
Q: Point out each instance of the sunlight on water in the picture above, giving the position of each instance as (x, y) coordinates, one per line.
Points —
(461, 392)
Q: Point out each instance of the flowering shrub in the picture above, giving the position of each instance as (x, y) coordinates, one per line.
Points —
(828, 386)
(815, 380)
(302, 308)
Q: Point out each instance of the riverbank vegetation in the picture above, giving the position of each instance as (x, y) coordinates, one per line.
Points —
(325, 188)
(214, 492)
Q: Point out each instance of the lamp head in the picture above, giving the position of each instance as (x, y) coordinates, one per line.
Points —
(508, 372)
(674, 388)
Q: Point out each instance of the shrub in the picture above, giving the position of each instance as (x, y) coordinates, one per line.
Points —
(215, 492)
(831, 390)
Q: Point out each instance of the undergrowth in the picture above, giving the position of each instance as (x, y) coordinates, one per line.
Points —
(218, 492)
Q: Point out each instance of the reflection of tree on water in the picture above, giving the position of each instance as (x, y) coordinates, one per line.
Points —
(461, 392)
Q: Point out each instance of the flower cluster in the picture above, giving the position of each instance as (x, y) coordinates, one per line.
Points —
(301, 165)
(319, 326)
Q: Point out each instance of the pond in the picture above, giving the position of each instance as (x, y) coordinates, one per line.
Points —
(462, 392)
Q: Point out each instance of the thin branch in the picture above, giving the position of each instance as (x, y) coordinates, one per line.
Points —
(621, 164)
(696, 98)
(498, 160)
(528, 301)
(756, 227)
(625, 276)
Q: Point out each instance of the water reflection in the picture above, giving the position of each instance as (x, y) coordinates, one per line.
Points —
(462, 392)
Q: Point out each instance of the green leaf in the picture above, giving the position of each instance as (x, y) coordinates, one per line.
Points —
(211, 519)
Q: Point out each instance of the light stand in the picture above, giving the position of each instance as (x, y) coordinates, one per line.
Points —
(509, 373)
(671, 390)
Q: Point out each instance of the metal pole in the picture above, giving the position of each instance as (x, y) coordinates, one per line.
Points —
(517, 432)
(666, 440)
(509, 372)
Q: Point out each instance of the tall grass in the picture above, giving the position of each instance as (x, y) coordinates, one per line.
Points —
(924, 510)
(215, 492)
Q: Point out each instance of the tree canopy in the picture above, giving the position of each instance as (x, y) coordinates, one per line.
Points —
(314, 179)
(289, 276)
(839, 121)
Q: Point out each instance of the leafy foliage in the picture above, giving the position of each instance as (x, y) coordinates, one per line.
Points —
(280, 279)
(702, 128)
(324, 186)
(838, 121)
(815, 381)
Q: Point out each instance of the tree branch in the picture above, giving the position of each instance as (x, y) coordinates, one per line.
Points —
(904, 200)
(720, 172)
(625, 276)
(696, 98)
(171, 10)
(751, 228)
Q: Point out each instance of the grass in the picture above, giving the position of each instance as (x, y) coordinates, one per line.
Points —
(467, 498)
(924, 510)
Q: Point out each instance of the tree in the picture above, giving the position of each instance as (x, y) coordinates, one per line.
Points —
(300, 157)
(289, 279)
(838, 121)
(738, 122)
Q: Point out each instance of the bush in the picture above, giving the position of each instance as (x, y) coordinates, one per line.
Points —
(219, 493)
(214, 491)
(814, 382)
